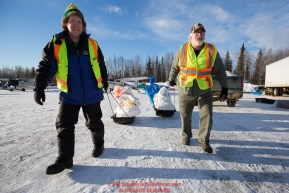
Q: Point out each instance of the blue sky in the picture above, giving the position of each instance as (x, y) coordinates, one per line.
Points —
(143, 27)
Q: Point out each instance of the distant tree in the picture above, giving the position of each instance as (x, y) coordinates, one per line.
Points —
(286, 52)
(156, 70)
(109, 68)
(258, 70)
(279, 54)
(168, 60)
(228, 62)
(27, 73)
(127, 68)
(248, 66)
(121, 65)
(239, 71)
(163, 70)
(19, 71)
(158, 77)
(153, 68)
(268, 55)
(3, 72)
(137, 65)
(149, 68)
(114, 60)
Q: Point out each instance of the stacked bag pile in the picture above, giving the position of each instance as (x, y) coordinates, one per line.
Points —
(159, 95)
(128, 105)
(162, 100)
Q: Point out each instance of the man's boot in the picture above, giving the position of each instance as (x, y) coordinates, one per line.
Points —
(206, 147)
(186, 141)
(59, 165)
(97, 151)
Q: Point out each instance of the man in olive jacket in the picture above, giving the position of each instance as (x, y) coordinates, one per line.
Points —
(192, 70)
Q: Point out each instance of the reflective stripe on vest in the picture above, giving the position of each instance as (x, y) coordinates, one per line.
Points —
(92, 47)
(60, 54)
(199, 68)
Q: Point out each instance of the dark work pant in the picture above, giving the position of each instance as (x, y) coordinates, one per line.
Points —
(65, 126)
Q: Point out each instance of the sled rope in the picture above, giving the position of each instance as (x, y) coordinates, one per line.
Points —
(109, 101)
(174, 102)
(118, 104)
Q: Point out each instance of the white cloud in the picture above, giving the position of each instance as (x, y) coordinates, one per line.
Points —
(114, 9)
(216, 12)
(264, 31)
(165, 24)
(167, 20)
(101, 30)
(221, 14)
(164, 27)
(227, 25)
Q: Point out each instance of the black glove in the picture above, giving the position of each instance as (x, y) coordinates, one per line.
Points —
(39, 95)
(172, 83)
(105, 86)
(224, 94)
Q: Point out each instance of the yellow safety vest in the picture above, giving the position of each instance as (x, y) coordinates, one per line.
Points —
(60, 53)
(196, 68)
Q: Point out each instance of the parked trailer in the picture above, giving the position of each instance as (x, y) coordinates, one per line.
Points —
(277, 77)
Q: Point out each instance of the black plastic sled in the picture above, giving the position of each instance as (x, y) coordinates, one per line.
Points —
(123, 120)
(265, 100)
(164, 113)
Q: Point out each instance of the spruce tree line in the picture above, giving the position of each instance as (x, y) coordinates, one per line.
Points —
(251, 68)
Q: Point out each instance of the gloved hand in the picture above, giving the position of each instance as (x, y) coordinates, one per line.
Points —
(224, 94)
(105, 86)
(172, 83)
(39, 95)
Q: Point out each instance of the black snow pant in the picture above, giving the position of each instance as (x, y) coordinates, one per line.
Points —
(65, 126)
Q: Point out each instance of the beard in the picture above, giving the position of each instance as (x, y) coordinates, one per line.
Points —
(198, 42)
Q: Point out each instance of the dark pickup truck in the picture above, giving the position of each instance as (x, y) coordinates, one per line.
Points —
(235, 89)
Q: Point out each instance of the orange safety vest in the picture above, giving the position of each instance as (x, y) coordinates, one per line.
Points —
(60, 54)
(197, 68)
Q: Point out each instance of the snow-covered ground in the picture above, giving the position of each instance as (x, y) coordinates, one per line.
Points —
(250, 142)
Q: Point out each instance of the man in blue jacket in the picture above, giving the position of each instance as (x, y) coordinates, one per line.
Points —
(81, 75)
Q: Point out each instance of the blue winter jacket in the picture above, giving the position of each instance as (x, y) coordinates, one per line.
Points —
(82, 84)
